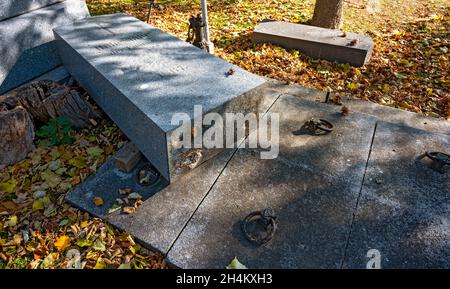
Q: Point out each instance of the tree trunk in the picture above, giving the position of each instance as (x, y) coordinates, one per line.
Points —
(47, 99)
(328, 13)
(16, 135)
(38, 101)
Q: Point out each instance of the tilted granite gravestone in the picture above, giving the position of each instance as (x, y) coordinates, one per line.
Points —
(27, 48)
(11, 8)
(141, 76)
(317, 42)
(165, 209)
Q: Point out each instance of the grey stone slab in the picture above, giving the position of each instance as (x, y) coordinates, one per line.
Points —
(133, 69)
(404, 209)
(382, 112)
(105, 183)
(313, 187)
(296, 90)
(339, 154)
(26, 42)
(58, 74)
(313, 212)
(159, 221)
(316, 42)
(165, 211)
(398, 116)
(11, 8)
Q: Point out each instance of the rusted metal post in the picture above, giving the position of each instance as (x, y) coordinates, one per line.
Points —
(209, 44)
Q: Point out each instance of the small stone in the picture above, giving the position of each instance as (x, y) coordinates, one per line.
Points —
(25, 235)
(127, 157)
(38, 195)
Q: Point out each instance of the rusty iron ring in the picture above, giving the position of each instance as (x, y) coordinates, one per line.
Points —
(268, 216)
(313, 125)
(324, 125)
(441, 158)
(154, 178)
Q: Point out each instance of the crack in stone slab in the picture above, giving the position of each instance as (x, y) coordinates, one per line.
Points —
(404, 206)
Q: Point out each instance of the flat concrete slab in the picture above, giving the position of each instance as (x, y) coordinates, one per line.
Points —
(398, 116)
(313, 202)
(381, 112)
(404, 209)
(27, 48)
(316, 42)
(105, 183)
(133, 69)
(339, 154)
(315, 186)
(313, 212)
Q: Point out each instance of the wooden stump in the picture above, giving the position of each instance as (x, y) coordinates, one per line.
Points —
(16, 135)
(48, 99)
(39, 101)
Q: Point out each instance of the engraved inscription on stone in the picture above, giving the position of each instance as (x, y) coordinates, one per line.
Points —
(130, 41)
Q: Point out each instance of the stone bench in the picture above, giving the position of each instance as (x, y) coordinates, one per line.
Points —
(140, 76)
(316, 42)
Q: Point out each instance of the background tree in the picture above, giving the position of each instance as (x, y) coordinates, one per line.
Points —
(328, 13)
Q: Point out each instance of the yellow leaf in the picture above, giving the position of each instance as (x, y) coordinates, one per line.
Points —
(404, 104)
(8, 186)
(129, 210)
(91, 255)
(31, 246)
(235, 264)
(98, 201)
(62, 243)
(12, 221)
(50, 178)
(352, 86)
(100, 264)
(49, 260)
(38, 205)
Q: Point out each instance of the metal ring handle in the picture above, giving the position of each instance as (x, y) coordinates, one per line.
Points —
(324, 125)
(153, 178)
(439, 157)
(268, 217)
